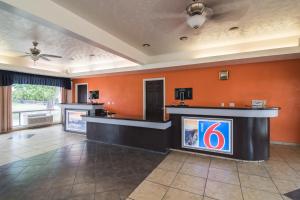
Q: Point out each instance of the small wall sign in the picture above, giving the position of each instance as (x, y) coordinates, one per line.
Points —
(223, 75)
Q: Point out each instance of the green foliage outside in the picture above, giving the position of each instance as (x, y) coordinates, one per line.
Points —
(33, 92)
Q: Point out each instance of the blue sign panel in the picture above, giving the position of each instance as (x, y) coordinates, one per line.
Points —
(207, 134)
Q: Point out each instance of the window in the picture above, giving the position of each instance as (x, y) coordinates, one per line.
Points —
(35, 101)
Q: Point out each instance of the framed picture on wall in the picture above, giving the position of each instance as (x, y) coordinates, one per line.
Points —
(223, 75)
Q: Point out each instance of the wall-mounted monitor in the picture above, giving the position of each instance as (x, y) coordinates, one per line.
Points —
(183, 93)
(94, 94)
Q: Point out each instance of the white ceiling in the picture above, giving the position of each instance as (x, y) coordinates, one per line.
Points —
(18, 32)
(114, 31)
(162, 22)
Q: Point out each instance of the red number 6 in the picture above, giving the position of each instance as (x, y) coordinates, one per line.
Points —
(209, 132)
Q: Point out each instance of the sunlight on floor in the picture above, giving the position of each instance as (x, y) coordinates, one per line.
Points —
(22, 144)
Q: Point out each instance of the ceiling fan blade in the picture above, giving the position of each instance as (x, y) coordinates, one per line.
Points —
(214, 3)
(167, 25)
(161, 8)
(174, 16)
(226, 16)
(49, 55)
(26, 55)
(229, 15)
(44, 58)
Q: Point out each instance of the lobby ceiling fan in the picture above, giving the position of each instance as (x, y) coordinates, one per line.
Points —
(35, 53)
(199, 12)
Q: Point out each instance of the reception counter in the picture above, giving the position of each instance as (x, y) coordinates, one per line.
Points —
(239, 133)
(128, 131)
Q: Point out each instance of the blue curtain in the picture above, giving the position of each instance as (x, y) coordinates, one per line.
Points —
(8, 78)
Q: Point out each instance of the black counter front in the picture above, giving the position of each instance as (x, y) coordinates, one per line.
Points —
(128, 131)
(239, 133)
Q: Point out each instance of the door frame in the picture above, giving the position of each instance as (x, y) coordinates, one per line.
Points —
(76, 91)
(144, 95)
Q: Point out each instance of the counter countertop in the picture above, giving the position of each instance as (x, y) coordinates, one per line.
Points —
(128, 121)
(230, 108)
(92, 104)
(224, 111)
(122, 117)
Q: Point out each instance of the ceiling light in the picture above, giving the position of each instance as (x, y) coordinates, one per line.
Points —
(196, 21)
(233, 28)
(183, 38)
(146, 45)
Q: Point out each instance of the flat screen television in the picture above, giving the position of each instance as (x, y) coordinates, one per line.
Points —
(183, 93)
(94, 94)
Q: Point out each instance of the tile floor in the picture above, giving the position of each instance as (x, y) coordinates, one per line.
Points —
(184, 176)
(53, 164)
(48, 163)
(27, 143)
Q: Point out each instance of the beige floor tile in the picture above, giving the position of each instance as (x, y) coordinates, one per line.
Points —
(194, 170)
(175, 194)
(258, 182)
(148, 191)
(207, 198)
(295, 165)
(162, 176)
(178, 156)
(171, 165)
(189, 183)
(223, 191)
(285, 186)
(284, 174)
(274, 164)
(224, 176)
(198, 159)
(252, 194)
(257, 169)
(223, 164)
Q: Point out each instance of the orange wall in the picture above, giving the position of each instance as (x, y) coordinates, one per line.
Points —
(277, 82)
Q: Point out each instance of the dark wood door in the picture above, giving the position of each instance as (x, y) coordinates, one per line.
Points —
(154, 100)
(81, 93)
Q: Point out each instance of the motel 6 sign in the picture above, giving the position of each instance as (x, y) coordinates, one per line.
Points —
(211, 135)
(215, 135)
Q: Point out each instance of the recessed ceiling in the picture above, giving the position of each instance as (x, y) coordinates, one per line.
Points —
(161, 22)
(18, 32)
(114, 31)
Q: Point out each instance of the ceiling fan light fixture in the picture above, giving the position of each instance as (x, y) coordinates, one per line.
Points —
(183, 38)
(146, 45)
(196, 21)
(234, 28)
